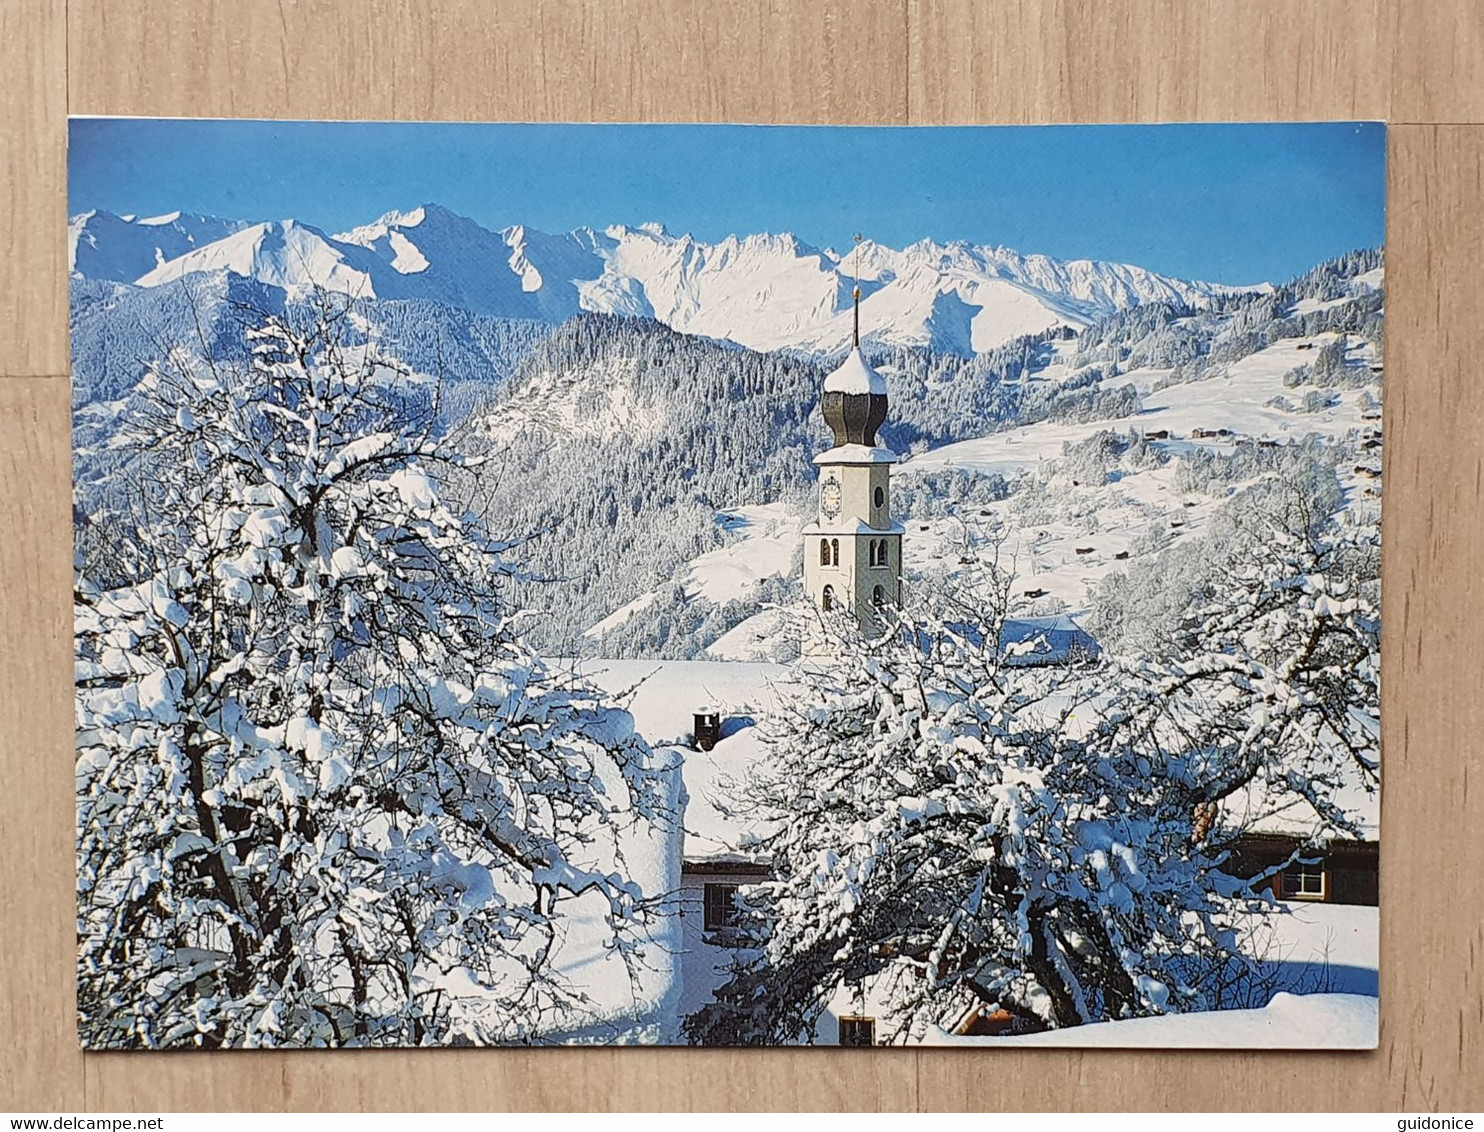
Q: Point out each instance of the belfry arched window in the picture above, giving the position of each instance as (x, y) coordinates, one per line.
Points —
(878, 597)
(824, 552)
(827, 599)
(835, 551)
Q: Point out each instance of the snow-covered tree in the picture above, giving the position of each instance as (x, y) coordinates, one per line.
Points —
(325, 794)
(1272, 695)
(949, 831)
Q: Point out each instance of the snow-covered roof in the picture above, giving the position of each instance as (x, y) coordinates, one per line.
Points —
(1046, 640)
(665, 696)
(1027, 641)
(1260, 809)
(855, 375)
(856, 454)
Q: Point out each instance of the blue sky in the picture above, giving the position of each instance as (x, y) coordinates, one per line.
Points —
(1228, 203)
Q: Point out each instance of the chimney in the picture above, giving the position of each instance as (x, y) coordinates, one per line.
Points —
(707, 729)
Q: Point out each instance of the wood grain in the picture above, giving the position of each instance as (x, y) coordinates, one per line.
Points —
(33, 199)
(892, 62)
(1151, 60)
(661, 60)
(1221, 60)
(39, 1057)
(1432, 715)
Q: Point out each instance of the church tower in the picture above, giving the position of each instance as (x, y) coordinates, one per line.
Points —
(853, 551)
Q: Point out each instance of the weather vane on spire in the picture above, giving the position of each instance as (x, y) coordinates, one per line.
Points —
(856, 291)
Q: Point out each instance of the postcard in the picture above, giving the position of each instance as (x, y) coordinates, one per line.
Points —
(727, 585)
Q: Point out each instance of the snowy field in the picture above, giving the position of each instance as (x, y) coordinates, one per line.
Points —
(1289, 1021)
(1237, 400)
(1326, 959)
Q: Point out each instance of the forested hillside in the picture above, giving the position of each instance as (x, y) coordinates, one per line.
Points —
(617, 451)
(627, 447)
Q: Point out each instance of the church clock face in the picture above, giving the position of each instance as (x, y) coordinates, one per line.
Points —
(830, 498)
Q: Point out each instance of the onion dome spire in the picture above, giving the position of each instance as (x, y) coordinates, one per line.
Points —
(854, 400)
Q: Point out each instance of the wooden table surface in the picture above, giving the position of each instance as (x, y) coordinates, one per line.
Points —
(1417, 63)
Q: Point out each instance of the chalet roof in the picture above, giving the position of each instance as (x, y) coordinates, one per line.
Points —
(666, 695)
(1047, 640)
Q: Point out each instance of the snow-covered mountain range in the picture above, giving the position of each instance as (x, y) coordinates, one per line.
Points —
(762, 291)
(101, 245)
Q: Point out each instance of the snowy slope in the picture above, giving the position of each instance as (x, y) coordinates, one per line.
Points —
(770, 291)
(762, 543)
(1111, 524)
(765, 291)
(1100, 528)
(1238, 400)
(283, 254)
(968, 298)
(594, 402)
(120, 249)
(432, 253)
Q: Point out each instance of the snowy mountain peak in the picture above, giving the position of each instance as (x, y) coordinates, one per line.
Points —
(763, 290)
(281, 253)
(102, 245)
(427, 216)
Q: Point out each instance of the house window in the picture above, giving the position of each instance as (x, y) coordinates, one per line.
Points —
(827, 599)
(857, 1030)
(1304, 881)
(721, 907)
